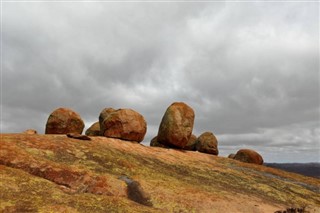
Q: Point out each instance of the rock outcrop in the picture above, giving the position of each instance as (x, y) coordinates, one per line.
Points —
(249, 156)
(125, 124)
(207, 143)
(63, 121)
(93, 130)
(176, 125)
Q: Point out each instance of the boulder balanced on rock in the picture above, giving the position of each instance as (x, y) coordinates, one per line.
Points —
(207, 143)
(63, 121)
(125, 124)
(249, 156)
(176, 125)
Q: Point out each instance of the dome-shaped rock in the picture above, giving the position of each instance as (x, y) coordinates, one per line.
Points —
(249, 156)
(93, 130)
(176, 125)
(63, 121)
(125, 124)
(207, 143)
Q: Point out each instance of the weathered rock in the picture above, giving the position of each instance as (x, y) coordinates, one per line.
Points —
(231, 156)
(63, 121)
(125, 124)
(249, 156)
(191, 145)
(30, 132)
(78, 136)
(154, 142)
(207, 143)
(176, 125)
(94, 129)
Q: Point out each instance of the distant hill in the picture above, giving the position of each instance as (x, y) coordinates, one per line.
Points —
(307, 169)
(55, 173)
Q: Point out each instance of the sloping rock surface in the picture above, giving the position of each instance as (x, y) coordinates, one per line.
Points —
(54, 173)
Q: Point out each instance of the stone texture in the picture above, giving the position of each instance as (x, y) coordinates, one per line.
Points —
(30, 132)
(176, 125)
(78, 136)
(125, 124)
(63, 121)
(207, 143)
(249, 156)
(94, 129)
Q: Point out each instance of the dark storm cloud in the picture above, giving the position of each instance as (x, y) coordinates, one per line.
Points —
(249, 70)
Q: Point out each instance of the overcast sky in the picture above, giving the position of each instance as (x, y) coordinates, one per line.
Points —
(250, 70)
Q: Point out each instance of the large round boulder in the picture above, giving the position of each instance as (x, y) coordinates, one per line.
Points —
(207, 143)
(93, 130)
(125, 124)
(249, 156)
(176, 125)
(63, 121)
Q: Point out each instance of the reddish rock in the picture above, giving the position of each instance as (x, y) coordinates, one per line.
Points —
(176, 125)
(249, 156)
(94, 129)
(154, 142)
(125, 124)
(207, 143)
(191, 145)
(63, 121)
(30, 132)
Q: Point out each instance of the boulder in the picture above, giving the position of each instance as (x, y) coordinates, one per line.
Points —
(207, 143)
(231, 156)
(63, 121)
(191, 145)
(30, 132)
(154, 142)
(249, 156)
(176, 125)
(94, 129)
(125, 124)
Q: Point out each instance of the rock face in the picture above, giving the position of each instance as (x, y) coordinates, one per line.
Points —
(176, 125)
(63, 121)
(94, 129)
(125, 124)
(207, 143)
(249, 156)
(30, 132)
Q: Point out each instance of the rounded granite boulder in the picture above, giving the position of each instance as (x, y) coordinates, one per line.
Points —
(207, 143)
(63, 121)
(249, 156)
(176, 125)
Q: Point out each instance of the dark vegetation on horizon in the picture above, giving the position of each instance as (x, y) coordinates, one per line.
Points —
(307, 169)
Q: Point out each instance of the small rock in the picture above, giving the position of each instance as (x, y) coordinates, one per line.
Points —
(231, 156)
(30, 132)
(207, 143)
(78, 136)
(249, 156)
(93, 130)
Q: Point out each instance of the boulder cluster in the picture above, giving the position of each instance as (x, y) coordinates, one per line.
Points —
(175, 130)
